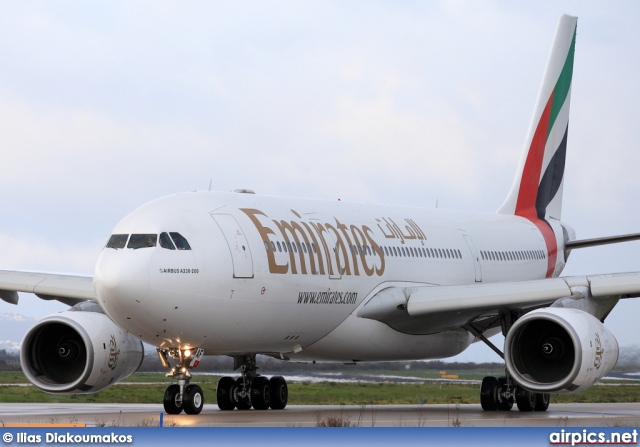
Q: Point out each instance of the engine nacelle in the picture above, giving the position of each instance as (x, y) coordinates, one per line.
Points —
(559, 350)
(78, 352)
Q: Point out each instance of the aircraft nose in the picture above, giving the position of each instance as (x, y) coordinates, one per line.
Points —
(121, 279)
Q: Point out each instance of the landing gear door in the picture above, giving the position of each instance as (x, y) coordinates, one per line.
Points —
(238, 245)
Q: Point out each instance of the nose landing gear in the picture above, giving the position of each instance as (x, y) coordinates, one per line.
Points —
(251, 389)
(182, 396)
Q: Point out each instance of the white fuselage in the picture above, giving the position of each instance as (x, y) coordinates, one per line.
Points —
(287, 276)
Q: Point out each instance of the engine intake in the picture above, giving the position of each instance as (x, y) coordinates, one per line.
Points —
(78, 352)
(559, 350)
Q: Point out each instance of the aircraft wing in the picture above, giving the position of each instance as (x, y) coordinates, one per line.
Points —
(430, 309)
(68, 289)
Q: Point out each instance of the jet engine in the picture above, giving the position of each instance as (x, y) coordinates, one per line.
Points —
(79, 352)
(559, 350)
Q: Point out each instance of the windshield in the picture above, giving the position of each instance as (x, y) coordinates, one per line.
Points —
(180, 241)
(117, 241)
(142, 240)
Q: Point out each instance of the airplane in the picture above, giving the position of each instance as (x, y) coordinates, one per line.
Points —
(241, 274)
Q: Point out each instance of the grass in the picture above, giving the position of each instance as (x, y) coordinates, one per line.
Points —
(150, 389)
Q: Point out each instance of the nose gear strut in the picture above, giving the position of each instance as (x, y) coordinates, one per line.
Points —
(182, 396)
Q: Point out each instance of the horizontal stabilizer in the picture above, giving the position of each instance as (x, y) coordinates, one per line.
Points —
(601, 241)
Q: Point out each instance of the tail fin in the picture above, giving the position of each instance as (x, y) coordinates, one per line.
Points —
(536, 192)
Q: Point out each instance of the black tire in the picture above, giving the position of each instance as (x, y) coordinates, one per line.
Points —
(171, 401)
(241, 403)
(504, 404)
(525, 399)
(542, 401)
(489, 394)
(224, 393)
(193, 400)
(260, 393)
(279, 393)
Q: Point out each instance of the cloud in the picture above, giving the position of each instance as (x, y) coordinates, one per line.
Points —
(36, 255)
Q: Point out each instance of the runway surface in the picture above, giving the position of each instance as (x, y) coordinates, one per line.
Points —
(137, 415)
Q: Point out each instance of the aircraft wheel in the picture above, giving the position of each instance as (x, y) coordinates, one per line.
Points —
(193, 400)
(525, 399)
(542, 401)
(224, 393)
(242, 401)
(171, 400)
(489, 394)
(279, 393)
(260, 393)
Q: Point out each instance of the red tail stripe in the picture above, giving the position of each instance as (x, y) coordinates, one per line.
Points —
(526, 203)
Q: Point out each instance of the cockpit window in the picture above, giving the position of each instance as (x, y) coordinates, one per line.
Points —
(165, 241)
(117, 241)
(180, 241)
(142, 241)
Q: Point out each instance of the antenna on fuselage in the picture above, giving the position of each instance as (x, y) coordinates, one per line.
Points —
(210, 182)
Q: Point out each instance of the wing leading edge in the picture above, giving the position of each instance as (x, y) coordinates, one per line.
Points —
(68, 289)
(430, 308)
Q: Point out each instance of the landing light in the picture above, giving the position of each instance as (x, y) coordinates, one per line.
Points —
(187, 353)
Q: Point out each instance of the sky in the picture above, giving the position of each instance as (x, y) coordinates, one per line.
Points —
(107, 105)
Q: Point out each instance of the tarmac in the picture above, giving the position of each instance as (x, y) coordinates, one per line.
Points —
(464, 415)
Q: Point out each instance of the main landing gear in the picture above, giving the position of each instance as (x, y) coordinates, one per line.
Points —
(182, 396)
(250, 389)
(501, 393)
